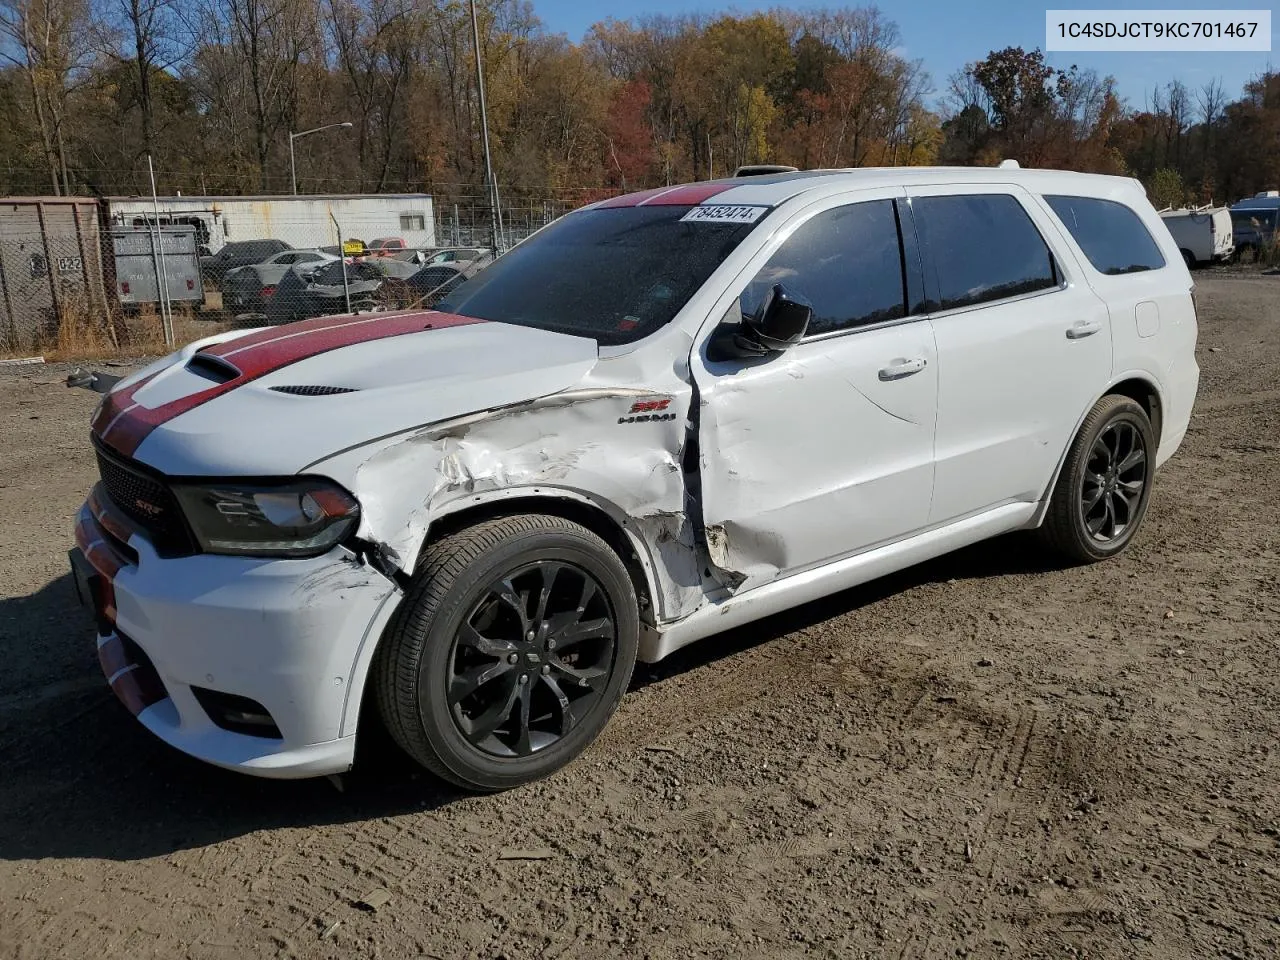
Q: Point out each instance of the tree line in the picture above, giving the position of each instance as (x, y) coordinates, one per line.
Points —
(212, 88)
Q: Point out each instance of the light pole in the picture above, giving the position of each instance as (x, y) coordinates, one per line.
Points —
(494, 216)
(293, 167)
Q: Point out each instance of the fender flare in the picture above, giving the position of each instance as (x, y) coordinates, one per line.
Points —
(1144, 375)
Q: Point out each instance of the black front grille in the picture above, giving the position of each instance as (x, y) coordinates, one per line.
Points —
(146, 500)
(312, 390)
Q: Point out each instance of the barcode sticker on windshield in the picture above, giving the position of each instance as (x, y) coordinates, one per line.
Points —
(724, 213)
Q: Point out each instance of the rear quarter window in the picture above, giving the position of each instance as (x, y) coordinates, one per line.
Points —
(1111, 235)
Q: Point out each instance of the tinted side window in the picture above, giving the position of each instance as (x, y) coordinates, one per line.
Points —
(981, 247)
(847, 262)
(1109, 233)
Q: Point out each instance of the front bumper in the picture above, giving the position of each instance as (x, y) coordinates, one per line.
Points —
(292, 635)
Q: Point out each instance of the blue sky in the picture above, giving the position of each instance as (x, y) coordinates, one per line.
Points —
(948, 33)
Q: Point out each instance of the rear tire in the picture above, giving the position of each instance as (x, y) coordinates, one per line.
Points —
(1189, 259)
(510, 651)
(1100, 499)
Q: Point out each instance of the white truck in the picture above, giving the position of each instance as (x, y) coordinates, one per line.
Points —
(304, 222)
(1203, 234)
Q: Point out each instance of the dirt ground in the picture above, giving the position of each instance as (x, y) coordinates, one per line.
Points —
(981, 757)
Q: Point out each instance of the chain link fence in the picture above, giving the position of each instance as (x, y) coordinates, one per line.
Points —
(82, 281)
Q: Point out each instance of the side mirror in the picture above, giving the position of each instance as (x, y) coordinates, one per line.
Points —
(779, 323)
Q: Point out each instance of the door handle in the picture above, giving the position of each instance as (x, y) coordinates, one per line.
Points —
(902, 368)
(1083, 328)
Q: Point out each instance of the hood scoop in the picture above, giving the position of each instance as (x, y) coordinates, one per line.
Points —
(212, 368)
(312, 390)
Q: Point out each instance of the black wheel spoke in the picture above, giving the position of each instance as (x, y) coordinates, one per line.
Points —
(549, 572)
(1092, 499)
(482, 726)
(588, 592)
(1130, 491)
(1113, 502)
(1094, 524)
(1136, 458)
(463, 685)
(469, 636)
(567, 718)
(505, 592)
(580, 676)
(524, 741)
(601, 629)
(1102, 452)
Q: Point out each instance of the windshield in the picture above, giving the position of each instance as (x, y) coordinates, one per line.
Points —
(1266, 219)
(614, 274)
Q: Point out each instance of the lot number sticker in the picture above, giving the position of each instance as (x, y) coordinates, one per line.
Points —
(724, 213)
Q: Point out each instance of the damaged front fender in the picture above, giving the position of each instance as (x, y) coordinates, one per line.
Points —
(618, 450)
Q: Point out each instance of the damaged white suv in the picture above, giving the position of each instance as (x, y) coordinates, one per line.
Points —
(660, 417)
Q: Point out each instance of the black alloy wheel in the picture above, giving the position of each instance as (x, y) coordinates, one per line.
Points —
(531, 658)
(1102, 491)
(509, 652)
(1114, 481)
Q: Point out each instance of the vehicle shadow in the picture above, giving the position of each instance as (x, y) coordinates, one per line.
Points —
(81, 778)
(1014, 553)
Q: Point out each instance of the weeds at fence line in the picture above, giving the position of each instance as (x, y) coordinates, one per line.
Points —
(1268, 252)
(82, 335)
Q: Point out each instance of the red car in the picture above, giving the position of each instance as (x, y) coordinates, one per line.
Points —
(386, 246)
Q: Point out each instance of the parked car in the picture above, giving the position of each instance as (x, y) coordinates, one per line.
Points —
(386, 246)
(435, 282)
(663, 416)
(310, 291)
(1254, 221)
(246, 290)
(242, 253)
(1203, 235)
(433, 255)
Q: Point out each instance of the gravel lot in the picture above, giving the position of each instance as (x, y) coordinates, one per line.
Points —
(984, 757)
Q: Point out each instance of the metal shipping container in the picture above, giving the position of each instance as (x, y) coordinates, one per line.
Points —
(50, 267)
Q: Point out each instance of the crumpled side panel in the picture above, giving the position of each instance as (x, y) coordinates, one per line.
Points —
(617, 448)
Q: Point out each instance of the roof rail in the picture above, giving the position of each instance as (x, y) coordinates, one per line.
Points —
(763, 169)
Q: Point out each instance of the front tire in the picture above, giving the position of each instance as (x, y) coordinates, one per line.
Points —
(1101, 496)
(510, 651)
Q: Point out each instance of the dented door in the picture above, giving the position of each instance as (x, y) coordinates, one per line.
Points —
(824, 450)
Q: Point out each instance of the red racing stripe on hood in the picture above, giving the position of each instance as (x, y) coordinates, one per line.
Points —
(123, 424)
(687, 195)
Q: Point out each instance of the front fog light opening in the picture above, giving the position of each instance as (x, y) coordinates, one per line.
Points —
(237, 714)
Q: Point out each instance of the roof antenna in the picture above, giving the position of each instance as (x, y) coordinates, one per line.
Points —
(1007, 165)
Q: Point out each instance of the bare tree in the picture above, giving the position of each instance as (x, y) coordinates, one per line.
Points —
(269, 40)
(48, 43)
(1211, 99)
(148, 36)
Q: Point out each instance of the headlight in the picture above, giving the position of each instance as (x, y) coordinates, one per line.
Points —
(302, 517)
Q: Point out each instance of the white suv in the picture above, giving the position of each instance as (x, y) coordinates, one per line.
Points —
(660, 417)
